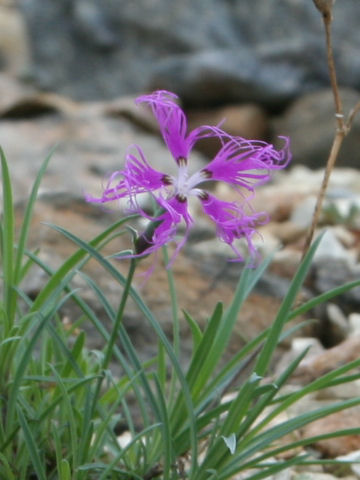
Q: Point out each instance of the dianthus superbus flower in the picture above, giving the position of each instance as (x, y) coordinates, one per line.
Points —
(241, 163)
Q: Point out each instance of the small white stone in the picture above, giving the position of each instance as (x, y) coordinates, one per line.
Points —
(354, 323)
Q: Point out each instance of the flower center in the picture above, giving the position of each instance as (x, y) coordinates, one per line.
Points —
(184, 184)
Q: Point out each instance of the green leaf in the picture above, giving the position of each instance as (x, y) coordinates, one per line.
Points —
(7, 241)
(65, 472)
(195, 330)
(72, 262)
(158, 330)
(271, 343)
(24, 232)
(199, 372)
(324, 297)
(5, 469)
(230, 442)
(37, 462)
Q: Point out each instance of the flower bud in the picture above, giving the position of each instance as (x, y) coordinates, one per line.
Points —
(145, 240)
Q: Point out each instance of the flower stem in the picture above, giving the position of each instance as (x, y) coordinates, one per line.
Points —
(108, 353)
(120, 313)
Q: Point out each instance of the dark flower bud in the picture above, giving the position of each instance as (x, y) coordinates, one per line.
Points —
(145, 240)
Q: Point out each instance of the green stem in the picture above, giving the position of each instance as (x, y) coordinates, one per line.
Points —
(174, 304)
(176, 325)
(107, 358)
(120, 313)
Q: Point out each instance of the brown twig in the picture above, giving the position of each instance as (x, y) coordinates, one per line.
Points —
(353, 112)
(343, 127)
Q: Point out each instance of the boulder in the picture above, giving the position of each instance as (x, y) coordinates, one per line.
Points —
(208, 51)
(310, 123)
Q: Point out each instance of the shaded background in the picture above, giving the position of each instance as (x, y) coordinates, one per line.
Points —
(212, 53)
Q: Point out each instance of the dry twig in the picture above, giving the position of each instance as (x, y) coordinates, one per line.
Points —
(343, 126)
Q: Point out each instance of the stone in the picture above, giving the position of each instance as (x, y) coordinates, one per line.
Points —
(311, 475)
(354, 323)
(296, 347)
(14, 41)
(210, 52)
(313, 367)
(355, 458)
(332, 272)
(310, 123)
(338, 325)
(13, 92)
(302, 215)
(247, 121)
(330, 243)
(334, 447)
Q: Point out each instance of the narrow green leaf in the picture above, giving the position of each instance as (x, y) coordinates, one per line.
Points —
(49, 311)
(24, 232)
(248, 279)
(33, 451)
(324, 297)
(198, 372)
(111, 466)
(65, 471)
(72, 262)
(284, 311)
(230, 442)
(265, 439)
(7, 241)
(271, 453)
(267, 471)
(158, 330)
(195, 330)
(166, 444)
(5, 469)
(72, 423)
(264, 402)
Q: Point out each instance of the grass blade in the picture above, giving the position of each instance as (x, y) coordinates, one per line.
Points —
(283, 313)
(37, 463)
(7, 243)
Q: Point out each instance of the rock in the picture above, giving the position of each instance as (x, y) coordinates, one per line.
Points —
(225, 75)
(338, 325)
(299, 345)
(313, 367)
(352, 457)
(330, 246)
(354, 323)
(14, 42)
(310, 123)
(209, 52)
(13, 92)
(303, 213)
(332, 272)
(337, 446)
(248, 121)
(310, 475)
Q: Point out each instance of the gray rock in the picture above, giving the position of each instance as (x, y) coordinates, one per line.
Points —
(310, 123)
(208, 50)
(329, 273)
(270, 75)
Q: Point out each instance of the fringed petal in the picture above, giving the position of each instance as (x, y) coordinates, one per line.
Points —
(173, 124)
(136, 177)
(232, 223)
(247, 163)
(171, 120)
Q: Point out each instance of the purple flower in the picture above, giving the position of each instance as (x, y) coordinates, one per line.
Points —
(241, 163)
